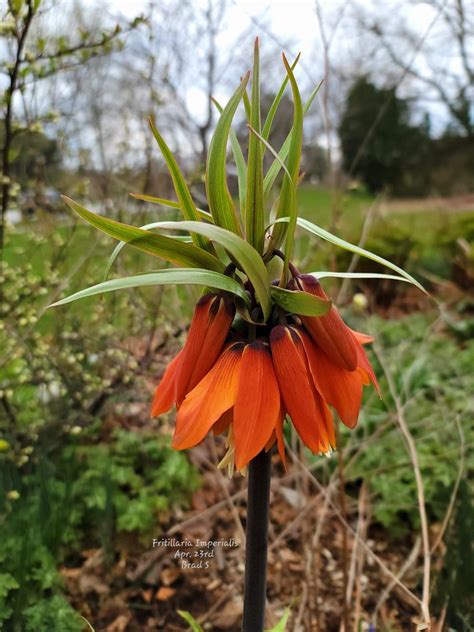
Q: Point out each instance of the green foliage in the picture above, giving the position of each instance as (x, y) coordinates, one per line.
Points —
(52, 371)
(253, 212)
(420, 242)
(455, 585)
(219, 198)
(434, 379)
(362, 252)
(178, 253)
(35, 157)
(186, 202)
(281, 625)
(195, 627)
(77, 495)
(275, 167)
(183, 276)
(300, 302)
(287, 200)
(188, 617)
(54, 615)
(137, 475)
(379, 144)
(65, 481)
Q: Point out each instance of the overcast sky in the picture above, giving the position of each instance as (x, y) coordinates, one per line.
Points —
(295, 23)
(292, 19)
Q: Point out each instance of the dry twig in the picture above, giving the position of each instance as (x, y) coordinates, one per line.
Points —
(410, 442)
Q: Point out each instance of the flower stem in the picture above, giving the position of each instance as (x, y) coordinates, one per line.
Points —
(256, 542)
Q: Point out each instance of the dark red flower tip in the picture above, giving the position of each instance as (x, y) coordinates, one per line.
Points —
(206, 299)
(277, 333)
(259, 345)
(329, 331)
(307, 280)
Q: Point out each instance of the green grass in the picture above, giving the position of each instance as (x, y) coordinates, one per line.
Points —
(318, 205)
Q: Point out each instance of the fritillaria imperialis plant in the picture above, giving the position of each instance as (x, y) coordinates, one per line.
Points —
(260, 352)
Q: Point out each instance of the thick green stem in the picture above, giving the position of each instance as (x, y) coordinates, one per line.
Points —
(256, 543)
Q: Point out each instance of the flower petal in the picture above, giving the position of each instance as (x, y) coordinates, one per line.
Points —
(340, 388)
(257, 403)
(325, 418)
(364, 339)
(210, 325)
(279, 436)
(297, 391)
(221, 315)
(209, 400)
(164, 394)
(193, 345)
(223, 422)
(329, 331)
(365, 366)
(329, 421)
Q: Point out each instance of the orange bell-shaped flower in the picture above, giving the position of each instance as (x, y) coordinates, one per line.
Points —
(210, 325)
(307, 409)
(329, 331)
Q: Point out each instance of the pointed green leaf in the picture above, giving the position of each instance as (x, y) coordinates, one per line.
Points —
(276, 102)
(239, 163)
(254, 210)
(188, 617)
(287, 199)
(121, 245)
(291, 200)
(170, 203)
(218, 194)
(175, 252)
(301, 303)
(247, 106)
(281, 625)
(337, 241)
(274, 170)
(357, 275)
(243, 253)
(266, 144)
(183, 194)
(155, 200)
(182, 276)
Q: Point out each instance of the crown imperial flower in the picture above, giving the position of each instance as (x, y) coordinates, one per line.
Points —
(258, 352)
(328, 331)
(221, 382)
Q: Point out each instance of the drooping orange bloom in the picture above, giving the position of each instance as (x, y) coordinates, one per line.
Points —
(209, 328)
(329, 331)
(308, 411)
(302, 369)
(241, 388)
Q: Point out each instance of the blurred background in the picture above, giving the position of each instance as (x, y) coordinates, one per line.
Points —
(87, 478)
